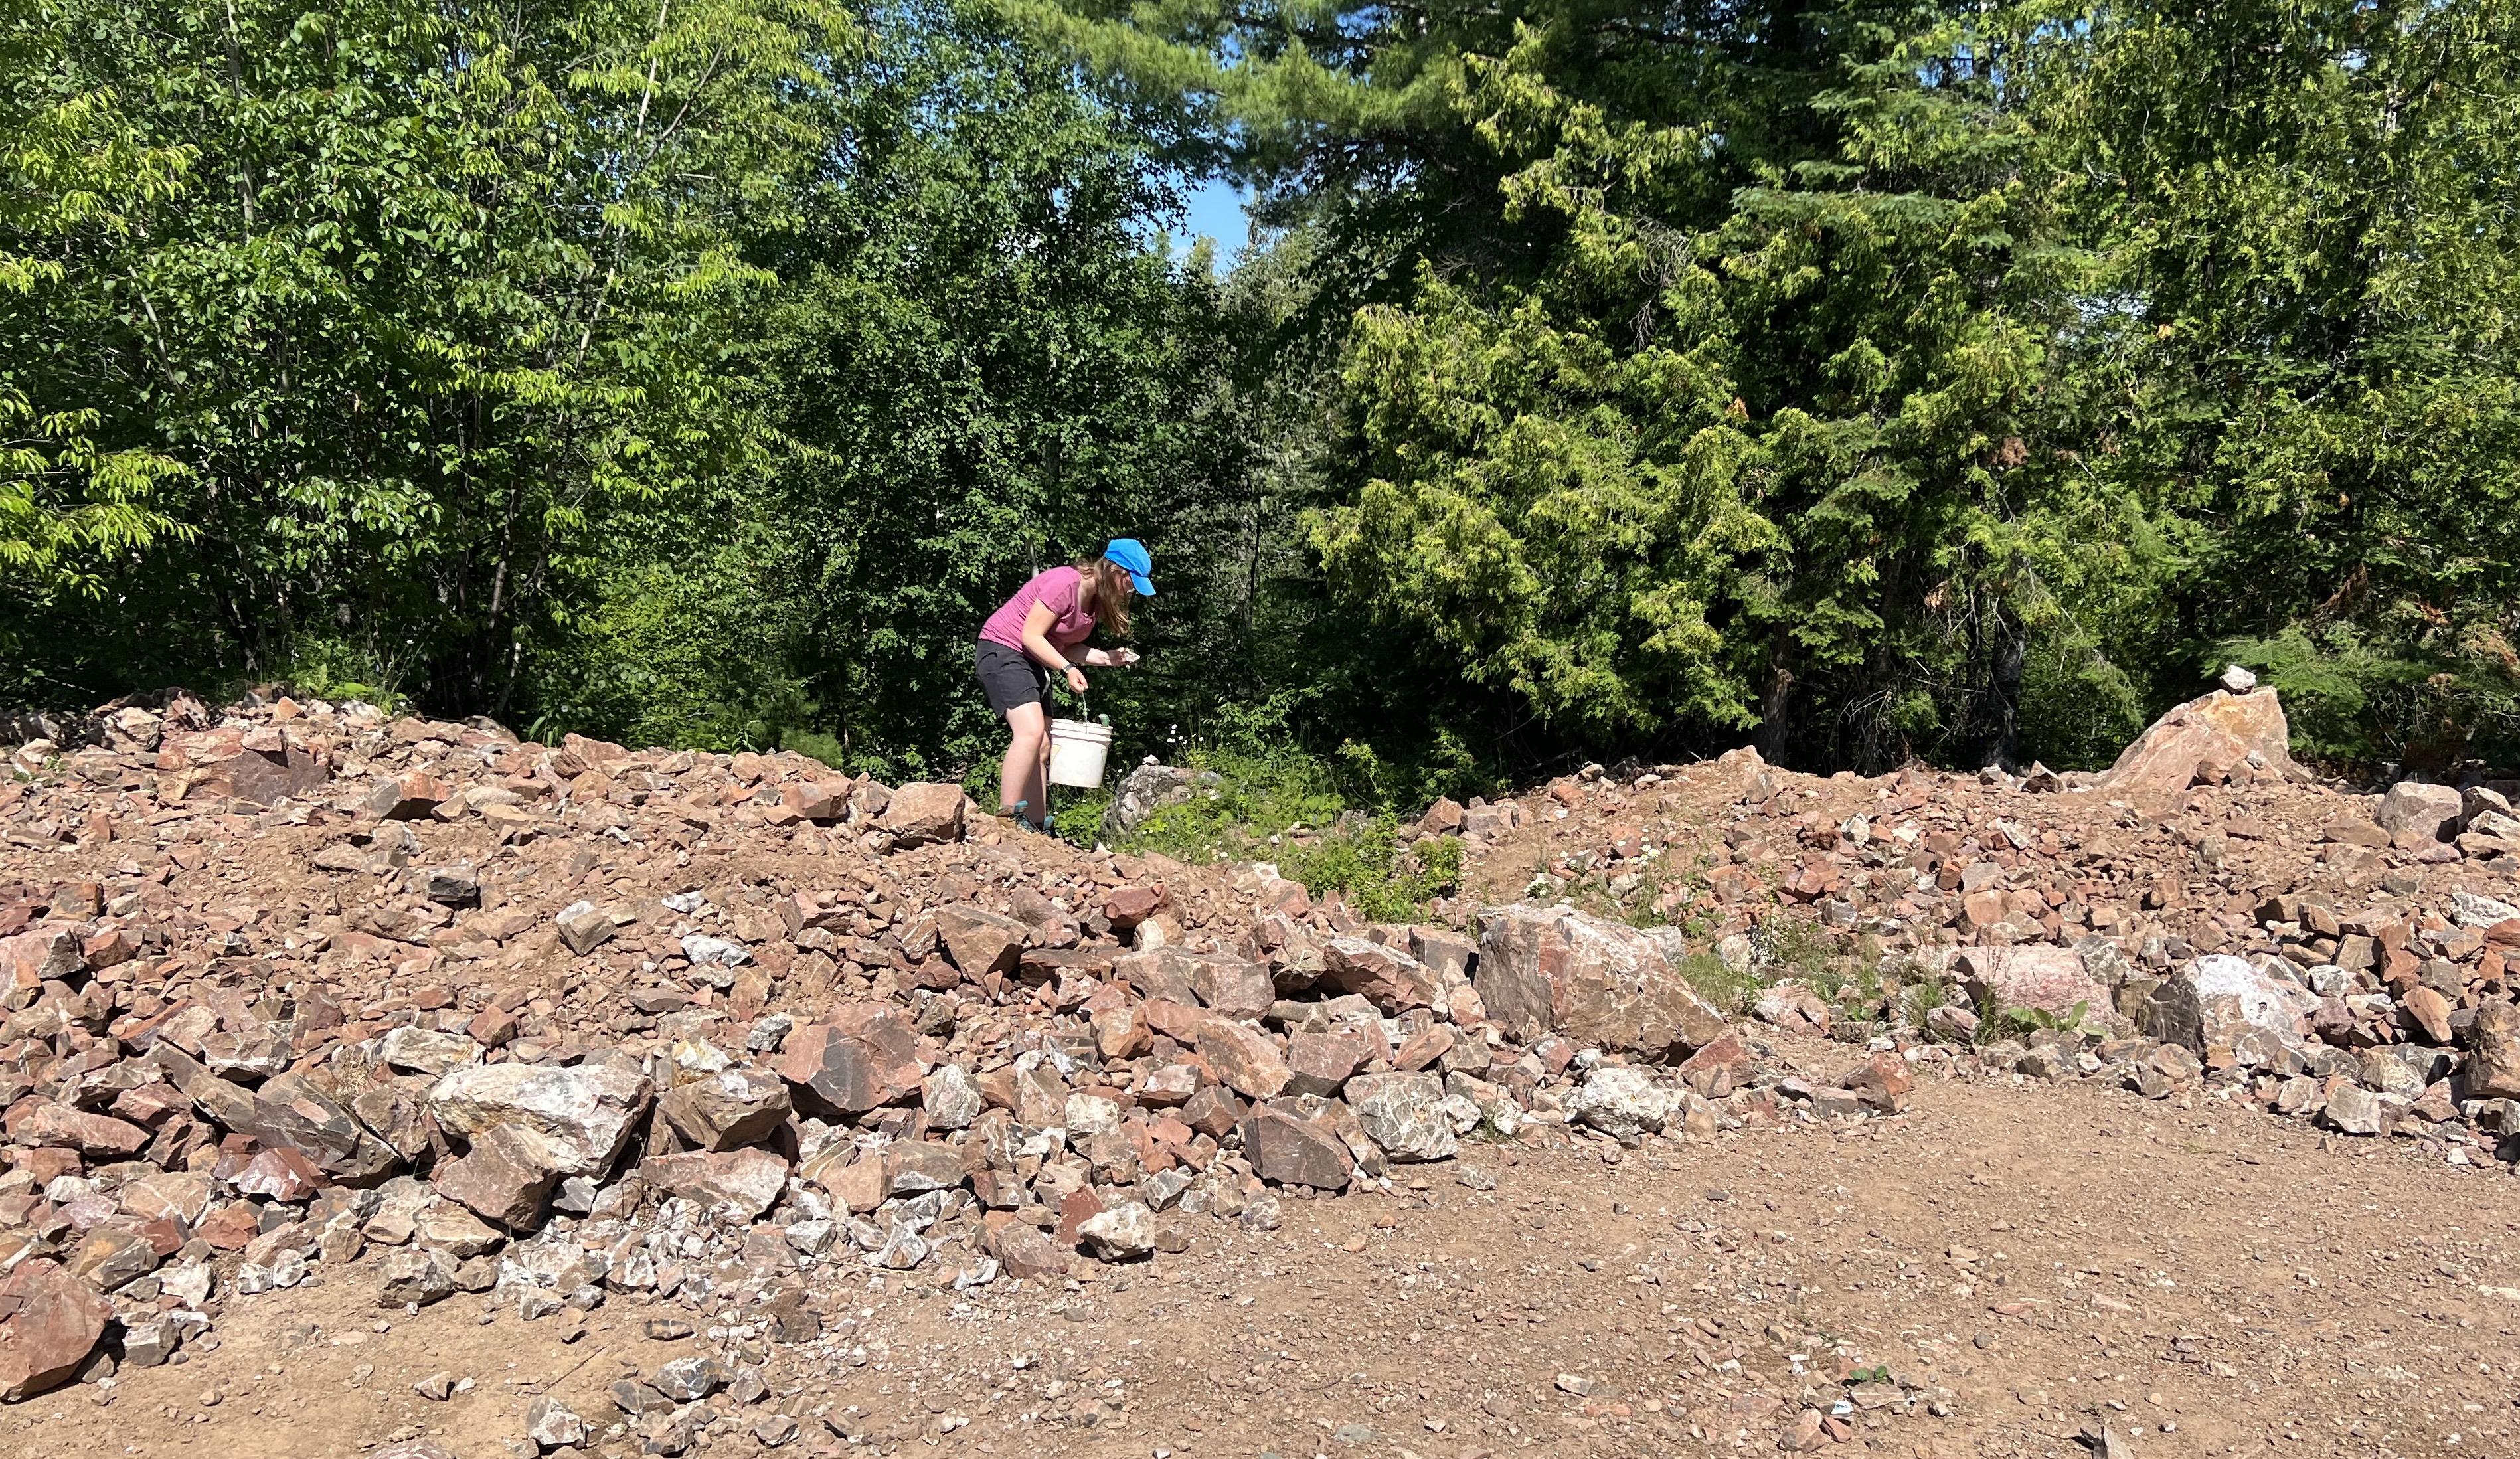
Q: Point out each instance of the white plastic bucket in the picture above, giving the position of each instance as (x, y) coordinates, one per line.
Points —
(1077, 748)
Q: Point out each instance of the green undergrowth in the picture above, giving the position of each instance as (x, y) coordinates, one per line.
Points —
(1311, 816)
(1369, 867)
(1736, 993)
(1869, 992)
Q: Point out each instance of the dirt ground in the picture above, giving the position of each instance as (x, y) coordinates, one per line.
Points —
(2032, 1261)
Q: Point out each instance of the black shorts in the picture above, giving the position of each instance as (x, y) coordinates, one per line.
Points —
(1010, 678)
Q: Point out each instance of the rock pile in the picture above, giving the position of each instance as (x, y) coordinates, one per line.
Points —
(2203, 913)
(301, 985)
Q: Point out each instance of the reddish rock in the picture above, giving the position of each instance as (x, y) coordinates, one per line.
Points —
(921, 815)
(1598, 982)
(979, 942)
(51, 953)
(492, 1028)
(1320, 1063)
(48, 1166)
(76, 1130)
(1168, 1086)
(820, 801)
(1076, 1208)
(230, 1228)
(1121, 1033)
(1980, 910)
(727, 1109)
(2051, 978)
(409, 797)
(504, 1178)
(110, 948)
(1294, 1151)
(279, 1173)
(1883, 1083)
(2430, 1011)
(50, 1321)
(1178, 1021)
(1726, 1054)
(1242, 1057)
(1127, 906)
(1796, 1008)
(1024, 1253)
(1233, 987)
(218, 762)
(2204, 741)
(1213, 1111)
(1420, 1050)
(865, 1058)
(1385, 976)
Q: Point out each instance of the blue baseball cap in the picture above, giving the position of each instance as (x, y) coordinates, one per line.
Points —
(1132, 555)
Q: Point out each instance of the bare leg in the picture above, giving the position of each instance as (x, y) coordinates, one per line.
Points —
(1041, 784)
(1022, 779)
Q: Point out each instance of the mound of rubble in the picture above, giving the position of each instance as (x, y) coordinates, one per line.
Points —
(2206, 916)
(299, 987)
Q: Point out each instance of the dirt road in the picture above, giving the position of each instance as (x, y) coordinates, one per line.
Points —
(2032, 1261)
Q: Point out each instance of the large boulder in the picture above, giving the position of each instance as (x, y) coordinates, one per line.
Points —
(920, 815)
(1544, 969)
(2213, 1005)
(2052, 979)
(862, 1058)
(2492, 1066)
(2419, 812)
(1404, 1114)
(50, 1321)
(2205, 742)
(585, 1112)
(1624, 1102)
(727, 1109)
(1385, 976)
(261, 765)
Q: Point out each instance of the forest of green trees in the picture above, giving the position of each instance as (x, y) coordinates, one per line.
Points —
(1860, 379)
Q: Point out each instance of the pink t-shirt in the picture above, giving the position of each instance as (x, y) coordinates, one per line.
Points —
(1059, 587)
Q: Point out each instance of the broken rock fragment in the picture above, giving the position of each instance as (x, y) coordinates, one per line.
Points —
(1244, 1057)
(584, 1112)
(50, 1321)
(727, 1109)
(749, 1180)
(1125, 1232)
(1290, 1150)
(920, 815)
(1404, 1114)
(1544, 969)
(865, 1057)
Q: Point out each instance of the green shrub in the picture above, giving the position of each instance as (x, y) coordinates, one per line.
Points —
(1380, 878)
(1733, 993)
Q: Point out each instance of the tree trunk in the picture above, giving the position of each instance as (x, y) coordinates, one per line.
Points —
(1772, 701)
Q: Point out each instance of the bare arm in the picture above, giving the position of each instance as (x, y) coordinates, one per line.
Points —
(1036, 637)
(1036, 641)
